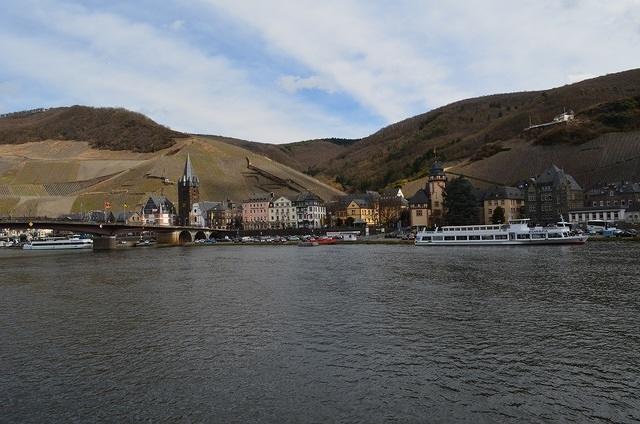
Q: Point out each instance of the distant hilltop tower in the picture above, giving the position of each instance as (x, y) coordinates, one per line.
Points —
(188, 192)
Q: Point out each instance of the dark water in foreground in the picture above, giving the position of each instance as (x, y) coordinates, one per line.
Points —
(323, 334)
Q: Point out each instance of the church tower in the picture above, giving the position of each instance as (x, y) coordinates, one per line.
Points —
(188, 193)
(435, 187)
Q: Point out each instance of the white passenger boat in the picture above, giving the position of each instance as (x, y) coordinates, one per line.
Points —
(59, 243)
(516, 232)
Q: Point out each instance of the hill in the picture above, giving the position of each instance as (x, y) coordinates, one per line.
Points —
(483, 137)
(103, 128)
(64, 160)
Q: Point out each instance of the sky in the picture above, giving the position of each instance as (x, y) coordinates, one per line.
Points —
(281, 71)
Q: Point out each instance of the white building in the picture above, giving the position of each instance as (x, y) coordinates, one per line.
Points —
(310, 210)
(282, 214)
(611, 214)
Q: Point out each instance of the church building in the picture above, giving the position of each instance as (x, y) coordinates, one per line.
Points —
(188, 197)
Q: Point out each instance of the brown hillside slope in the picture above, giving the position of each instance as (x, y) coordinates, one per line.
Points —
(103, 128)
(469, 132)
(76, 177)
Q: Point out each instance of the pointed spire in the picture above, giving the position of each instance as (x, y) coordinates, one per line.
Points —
(188, 177)
(188, 171)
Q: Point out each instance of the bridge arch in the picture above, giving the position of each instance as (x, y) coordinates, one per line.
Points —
(185, 237)
(200, 235)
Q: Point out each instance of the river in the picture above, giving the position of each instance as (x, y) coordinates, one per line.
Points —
(322, 334)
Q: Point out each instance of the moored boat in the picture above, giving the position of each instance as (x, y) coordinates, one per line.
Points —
(516, 232)
(59, 244)
(326, 240)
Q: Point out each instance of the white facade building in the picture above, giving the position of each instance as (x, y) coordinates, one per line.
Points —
(282, 214)
(311, 211)
(607, 214)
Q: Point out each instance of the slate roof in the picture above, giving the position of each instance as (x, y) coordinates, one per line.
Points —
(306, 196)
(392, 192)
(436, 169)
(420, 197)
(502, 192)
(556, 176)
(206, 206)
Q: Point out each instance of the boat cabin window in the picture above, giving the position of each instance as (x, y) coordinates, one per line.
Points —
(487, 237)
(437, 238)
(449, 237)
(462, 238)
(524, 236)
(538, 236)
(426, 238)
(501, 236)
(554, 235)
(474, 237)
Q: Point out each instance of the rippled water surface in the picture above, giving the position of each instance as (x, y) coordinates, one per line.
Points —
(322, 334)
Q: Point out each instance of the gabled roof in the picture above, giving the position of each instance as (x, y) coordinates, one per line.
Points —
(207, 206)
(259, 197)
(556, 176)
(159, 200)
(502, 192)
(361, 203)
(392, 192)
(308, 196)
(420, 197)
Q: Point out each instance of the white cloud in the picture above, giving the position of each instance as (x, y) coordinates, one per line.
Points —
(401, 58)
(293, 84)
(394, 60)
(105, 60)
(347, 44)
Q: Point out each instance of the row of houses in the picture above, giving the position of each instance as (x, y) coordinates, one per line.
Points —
(265, 211)
(554, 193)
(543, 199)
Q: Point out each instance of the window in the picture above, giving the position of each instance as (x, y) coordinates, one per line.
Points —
(462, 238)
(437, 238)
(523, 236)
(474, 237)
(419, 212)
(426, 238)
(486, 237)
(501, 236)
(449, 238)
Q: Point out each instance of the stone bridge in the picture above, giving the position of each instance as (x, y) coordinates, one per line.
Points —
(106, 232)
